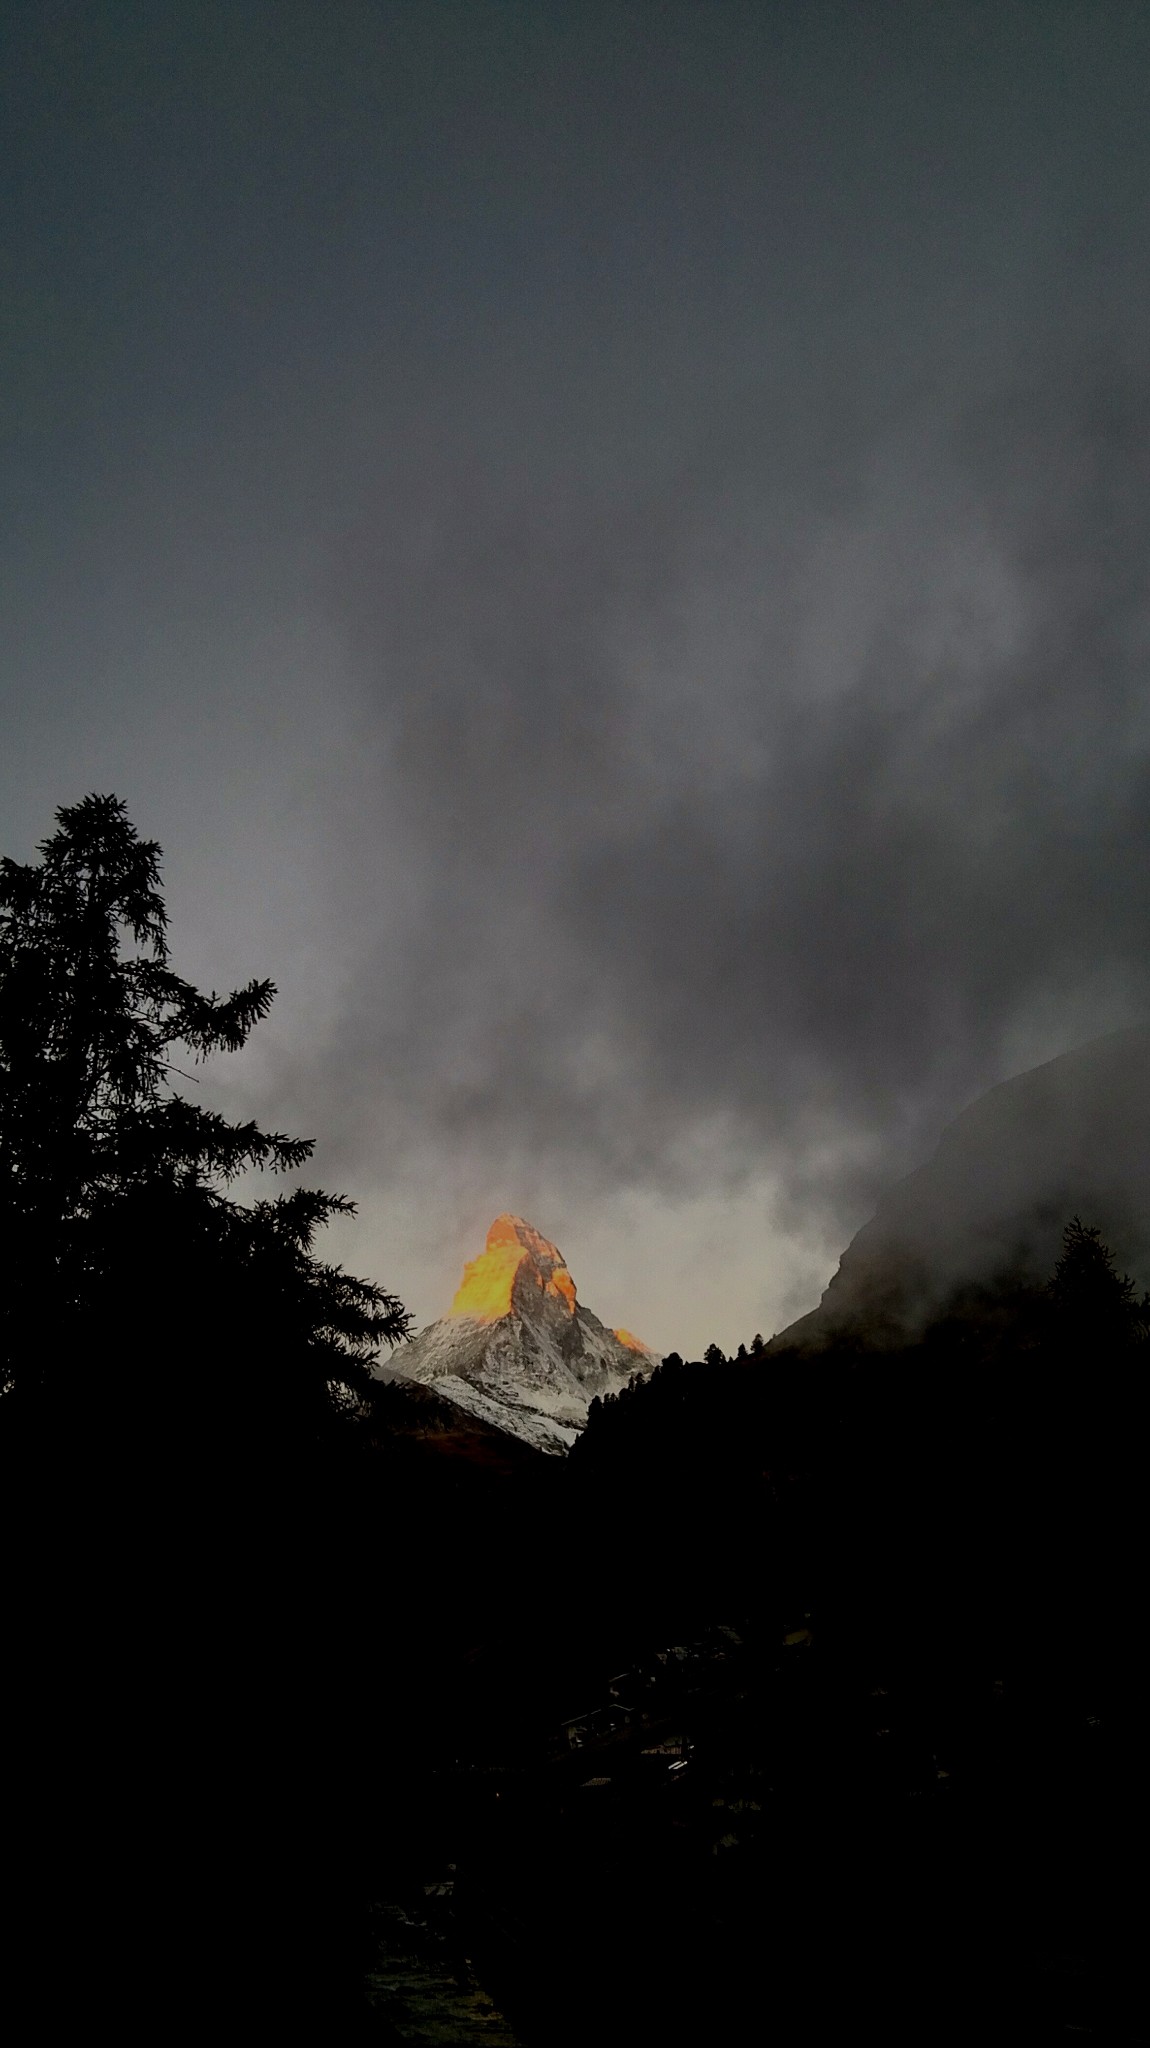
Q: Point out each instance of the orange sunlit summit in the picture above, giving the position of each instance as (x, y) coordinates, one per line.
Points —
(488, 1281)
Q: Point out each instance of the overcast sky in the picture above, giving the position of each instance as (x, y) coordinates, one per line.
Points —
(610, 545)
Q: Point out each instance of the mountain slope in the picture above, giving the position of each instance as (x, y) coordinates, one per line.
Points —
(1069, 1137)
(517, 1348)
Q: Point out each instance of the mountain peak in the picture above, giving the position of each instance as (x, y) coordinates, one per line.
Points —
(517, 1257)
(508, 1229)
(517, 1347)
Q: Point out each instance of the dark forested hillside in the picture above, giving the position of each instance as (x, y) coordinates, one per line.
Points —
(1002, 1441)
(907, 1788)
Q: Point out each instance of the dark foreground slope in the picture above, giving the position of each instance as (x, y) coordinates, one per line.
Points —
(231, 1659)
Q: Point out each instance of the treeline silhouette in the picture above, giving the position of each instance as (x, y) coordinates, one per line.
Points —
(994, 1451)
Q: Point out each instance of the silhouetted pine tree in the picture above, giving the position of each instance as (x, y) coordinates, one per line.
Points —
(1091, 1300)
(124, 1240)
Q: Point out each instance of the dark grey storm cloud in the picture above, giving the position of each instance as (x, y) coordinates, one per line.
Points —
(731, 802)
(627, 527)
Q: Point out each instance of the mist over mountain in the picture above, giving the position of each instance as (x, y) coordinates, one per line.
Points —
(1069, 1137)
(517, 1348)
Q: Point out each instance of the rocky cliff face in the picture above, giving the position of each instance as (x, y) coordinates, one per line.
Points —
(517, 1348)
(1070, 1137)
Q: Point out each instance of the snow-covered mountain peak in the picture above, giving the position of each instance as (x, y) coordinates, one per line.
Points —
(517, 1347)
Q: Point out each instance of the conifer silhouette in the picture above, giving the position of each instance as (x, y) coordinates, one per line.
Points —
(1091, 1300)
(114, 1188)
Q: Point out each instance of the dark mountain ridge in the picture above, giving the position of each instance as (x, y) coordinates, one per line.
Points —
(1070, 1137)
